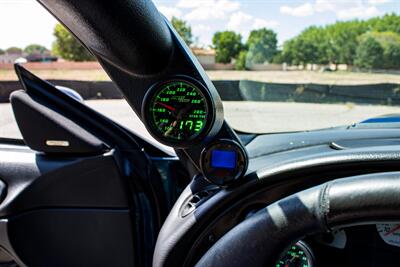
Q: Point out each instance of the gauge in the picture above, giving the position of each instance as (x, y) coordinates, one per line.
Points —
(177, 111)
(298, 255)
(390, 233)
(223, 161)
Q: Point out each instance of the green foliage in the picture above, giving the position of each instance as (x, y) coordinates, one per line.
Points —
(278, 58)
(342, 41)
(262, 46)
(241, 61)
(14, 50)
(183, 29)
(67, 47)
(228, 45)
(35, 49)
(391, 56)
(390, 43)
(339, 43)
(369, 53)
(387, 23)
(2, 51)
(290, 52)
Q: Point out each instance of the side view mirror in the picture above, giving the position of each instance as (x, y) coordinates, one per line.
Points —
(70, 92)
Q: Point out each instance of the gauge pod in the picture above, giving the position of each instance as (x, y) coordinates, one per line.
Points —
(223, 162)
(178, 112)
(297, 255)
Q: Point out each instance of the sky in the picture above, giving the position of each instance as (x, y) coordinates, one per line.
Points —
(24, 22)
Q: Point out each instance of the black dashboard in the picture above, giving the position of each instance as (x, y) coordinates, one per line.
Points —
(280, 165)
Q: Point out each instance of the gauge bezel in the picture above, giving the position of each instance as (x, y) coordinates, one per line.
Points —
(152, 129)
(307, 250)
(209, 172)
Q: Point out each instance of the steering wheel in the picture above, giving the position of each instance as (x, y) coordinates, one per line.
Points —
(259, 239)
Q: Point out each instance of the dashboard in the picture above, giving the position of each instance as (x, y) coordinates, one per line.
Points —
(280, 165)
(222, 179)
(239, 175)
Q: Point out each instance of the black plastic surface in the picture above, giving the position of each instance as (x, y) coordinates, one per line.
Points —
(259, 239)
(297, 168)
(35, 181)
(128, 34)
(47, 131)
(79, 17)
(73, 237)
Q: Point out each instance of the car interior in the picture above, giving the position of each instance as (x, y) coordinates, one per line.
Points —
(83, 190)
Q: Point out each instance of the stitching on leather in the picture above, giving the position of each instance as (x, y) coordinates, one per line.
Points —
(325, 205)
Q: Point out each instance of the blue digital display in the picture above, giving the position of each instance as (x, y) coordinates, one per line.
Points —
(223, 159)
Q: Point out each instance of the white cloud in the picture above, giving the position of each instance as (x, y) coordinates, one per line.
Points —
(262, 23)
(237, 19)
(170, 12)
(378, 2)
(243, 23)
(324, 5)
(208, 9)
(358, 12)
(201, 28)
(203, 34)
(343, 9)
(300, 11)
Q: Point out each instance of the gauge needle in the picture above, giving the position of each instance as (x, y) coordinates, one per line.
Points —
(166, 106)
(393, 230)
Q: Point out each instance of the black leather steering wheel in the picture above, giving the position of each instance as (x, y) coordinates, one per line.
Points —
(259, 240)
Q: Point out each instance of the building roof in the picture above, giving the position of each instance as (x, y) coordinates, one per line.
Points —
(203, 52)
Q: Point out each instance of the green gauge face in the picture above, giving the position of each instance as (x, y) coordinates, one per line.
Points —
(177, 111)
(298, 255)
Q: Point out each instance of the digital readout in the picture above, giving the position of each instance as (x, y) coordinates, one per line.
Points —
(178, 111)
(223, 159)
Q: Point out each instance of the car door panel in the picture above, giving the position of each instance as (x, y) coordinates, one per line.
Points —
(97, 202)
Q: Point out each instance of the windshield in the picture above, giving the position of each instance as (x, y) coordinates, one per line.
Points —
(295, 65)
(279, 66)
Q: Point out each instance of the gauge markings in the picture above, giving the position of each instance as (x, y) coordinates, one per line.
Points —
(178, 111)
(166, 106)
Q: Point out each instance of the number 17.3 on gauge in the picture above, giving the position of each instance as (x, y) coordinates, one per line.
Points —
(178, 111)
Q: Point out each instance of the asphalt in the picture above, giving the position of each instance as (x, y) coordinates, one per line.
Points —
(257, 117)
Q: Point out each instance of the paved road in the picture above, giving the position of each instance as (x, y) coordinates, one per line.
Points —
(246, 116)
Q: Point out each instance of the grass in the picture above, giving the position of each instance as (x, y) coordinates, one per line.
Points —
(300, 77)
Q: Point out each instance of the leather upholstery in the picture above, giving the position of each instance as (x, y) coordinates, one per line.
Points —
(258, 240)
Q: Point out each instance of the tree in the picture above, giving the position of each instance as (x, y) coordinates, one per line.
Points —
(67, 47)
(262, 46)
(391, 56)
(278, 58)
(35, 49)
(242, 62)
(289, 52)
(369, 53)
(2, 51)
(387, 23)
(14, 50)
(183, 29)
(390, 42)
(342, 38)
(228, 45)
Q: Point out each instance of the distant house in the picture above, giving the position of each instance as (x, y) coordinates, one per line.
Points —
(205, 56)
(10, 57)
